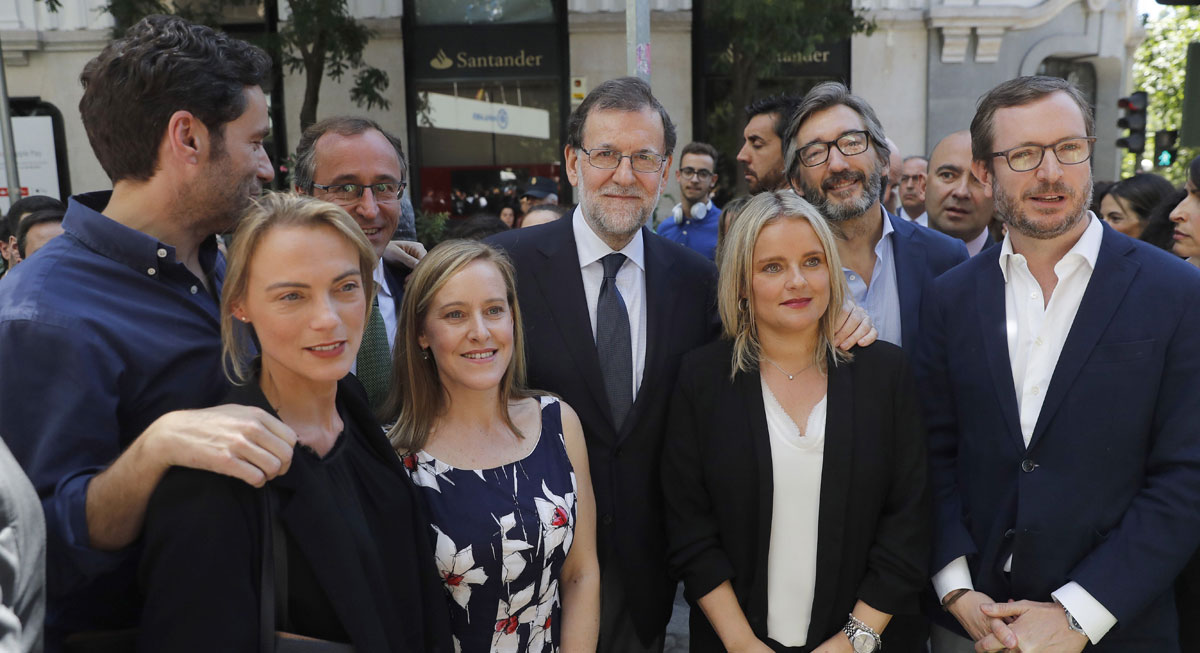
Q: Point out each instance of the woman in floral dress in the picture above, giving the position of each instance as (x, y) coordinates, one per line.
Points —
(503, 471)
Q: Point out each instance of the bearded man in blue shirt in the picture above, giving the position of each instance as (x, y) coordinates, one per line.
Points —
(110, 337)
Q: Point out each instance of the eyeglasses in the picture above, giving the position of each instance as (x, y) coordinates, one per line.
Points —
(1068, 151)
(611, 159)
(348, 194)
(692, 173)
(849, 144)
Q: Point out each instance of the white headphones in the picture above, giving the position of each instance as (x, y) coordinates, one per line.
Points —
(699, 210)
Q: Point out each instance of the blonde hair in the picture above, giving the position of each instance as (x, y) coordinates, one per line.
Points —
(269, 212)
(417, 397)
(735, 290)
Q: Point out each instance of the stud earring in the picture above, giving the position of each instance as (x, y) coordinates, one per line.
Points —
(425, 354)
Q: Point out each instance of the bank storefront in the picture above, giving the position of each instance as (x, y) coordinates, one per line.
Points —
(487, 98)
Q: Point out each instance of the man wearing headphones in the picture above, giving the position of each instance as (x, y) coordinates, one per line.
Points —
(693, 222)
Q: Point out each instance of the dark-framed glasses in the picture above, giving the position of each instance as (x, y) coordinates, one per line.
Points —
(849, 144)
(692, 173)
(611, 160)
(347, 194)
(1068, 151)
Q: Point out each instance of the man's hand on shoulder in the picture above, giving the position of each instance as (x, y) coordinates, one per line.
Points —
(856, 329)
(404, 252)
(244, 442)
(1038, 627)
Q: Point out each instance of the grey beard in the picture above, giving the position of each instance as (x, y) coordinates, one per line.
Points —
(837, 212)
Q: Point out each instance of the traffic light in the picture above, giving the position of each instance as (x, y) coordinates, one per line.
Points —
(1164, 147)
(1134, 120)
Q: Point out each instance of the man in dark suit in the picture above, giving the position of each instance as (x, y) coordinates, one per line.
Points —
(354, 163)
(609, 309)
(955, 200)
(836, 154)
(1061, 378)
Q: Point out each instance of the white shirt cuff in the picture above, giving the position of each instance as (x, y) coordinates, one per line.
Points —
(953, 576)
(1093, 617)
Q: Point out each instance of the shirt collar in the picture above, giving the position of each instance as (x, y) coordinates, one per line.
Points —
(1086, 249)
(381, 285)
(591, 249)
(888, 229)
(978, 243)
(122, 244)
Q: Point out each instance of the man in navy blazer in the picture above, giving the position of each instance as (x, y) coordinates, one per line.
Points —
(836, 155)
(1061, 378)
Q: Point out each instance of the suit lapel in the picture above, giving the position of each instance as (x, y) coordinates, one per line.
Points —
(836, 469)
(989, 294)
(660, 304)
(749, 386)
(1105, 292)
(908, 256)
(561, 284)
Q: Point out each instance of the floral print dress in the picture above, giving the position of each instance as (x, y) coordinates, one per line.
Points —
(500, 537)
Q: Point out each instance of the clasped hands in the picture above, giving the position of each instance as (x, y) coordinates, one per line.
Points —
(1025, 626)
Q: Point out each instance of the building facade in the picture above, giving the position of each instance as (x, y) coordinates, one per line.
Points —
(479, 92)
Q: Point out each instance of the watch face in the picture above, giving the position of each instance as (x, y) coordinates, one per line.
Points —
(863, 642)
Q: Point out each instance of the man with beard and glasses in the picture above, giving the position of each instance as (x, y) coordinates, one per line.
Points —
(761, 155)
(110, 336)
(836, 153)
(1061, 381)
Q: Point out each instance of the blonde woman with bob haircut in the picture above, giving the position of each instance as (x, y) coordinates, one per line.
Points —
(348, 544)
(503, 469)
(794, 473)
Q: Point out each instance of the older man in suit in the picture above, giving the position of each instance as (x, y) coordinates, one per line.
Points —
(1061, 377)
(609, 310)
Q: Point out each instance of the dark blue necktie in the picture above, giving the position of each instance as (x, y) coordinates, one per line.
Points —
(613, 342)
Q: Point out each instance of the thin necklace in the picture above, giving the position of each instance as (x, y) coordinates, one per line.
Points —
(789, 376)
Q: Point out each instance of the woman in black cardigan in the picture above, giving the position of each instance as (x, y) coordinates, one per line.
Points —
(359, 567)
(794, 474)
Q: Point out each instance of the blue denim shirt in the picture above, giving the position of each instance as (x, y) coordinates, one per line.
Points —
(699, 235)
(101, 332)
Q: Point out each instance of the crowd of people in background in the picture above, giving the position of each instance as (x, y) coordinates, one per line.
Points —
(946, 401)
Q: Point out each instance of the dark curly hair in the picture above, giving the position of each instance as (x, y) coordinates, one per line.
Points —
(163, 64)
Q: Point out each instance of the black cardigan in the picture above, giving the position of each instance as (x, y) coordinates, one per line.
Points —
(874, 526)
(203, 540)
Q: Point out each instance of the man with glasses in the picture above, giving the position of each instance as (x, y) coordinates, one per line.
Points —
(693, 222)
(354, 163)
(836, 153)
(1061, 380)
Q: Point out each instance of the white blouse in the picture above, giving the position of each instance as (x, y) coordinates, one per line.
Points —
(792, 557)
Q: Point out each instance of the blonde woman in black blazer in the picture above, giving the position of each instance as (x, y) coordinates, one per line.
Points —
(865, 461)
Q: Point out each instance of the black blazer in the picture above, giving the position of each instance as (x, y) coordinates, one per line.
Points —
(562, 358)
(203, 542)
(874, 518)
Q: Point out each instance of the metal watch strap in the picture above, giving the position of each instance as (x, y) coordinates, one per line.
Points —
(855, 626)
(1072, 622)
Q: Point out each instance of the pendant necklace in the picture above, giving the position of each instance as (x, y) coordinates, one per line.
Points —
(789, 376)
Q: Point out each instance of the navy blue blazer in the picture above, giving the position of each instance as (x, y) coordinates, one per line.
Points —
(921, 255)
(561, 357)
(1108, 492)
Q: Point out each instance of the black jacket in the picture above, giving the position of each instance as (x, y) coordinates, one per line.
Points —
(874, 529)
(203, 541)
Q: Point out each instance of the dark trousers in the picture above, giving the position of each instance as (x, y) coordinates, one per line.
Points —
(617, 631)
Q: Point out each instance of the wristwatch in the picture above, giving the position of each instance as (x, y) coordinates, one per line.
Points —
(1072, 622)
(863, 638)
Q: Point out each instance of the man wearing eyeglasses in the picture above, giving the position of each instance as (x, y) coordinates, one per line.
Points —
(1061, 381)
(693, 222)
(836, 154)
(354, 163)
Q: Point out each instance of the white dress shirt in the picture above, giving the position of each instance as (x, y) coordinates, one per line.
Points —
(922, 219)
(982, 240)
(795, 505)
(881, 300)
(631, 282)
(1037, 331)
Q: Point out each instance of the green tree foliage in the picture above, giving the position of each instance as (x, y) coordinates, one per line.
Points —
(1159, 68)
(319, 39)
(761, 36)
